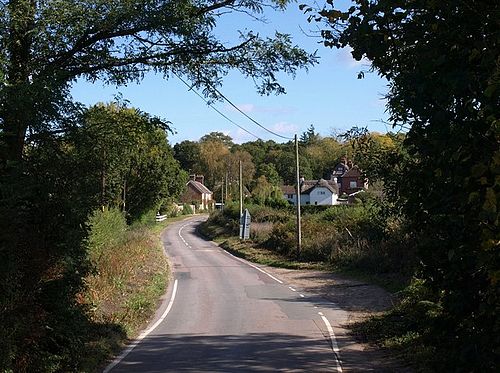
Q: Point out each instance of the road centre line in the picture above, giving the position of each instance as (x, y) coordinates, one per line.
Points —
(241, 260)
(335, 346)
(144, 333)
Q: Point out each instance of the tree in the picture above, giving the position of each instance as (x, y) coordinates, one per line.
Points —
(213, 160)
(188, 154)
(226, 140)
(247, 165)
(269, 171)
(258, 149)
(126, 158)
(310, 137)
(323, 155)
(47, 45)
(441, 60)
(285, 165)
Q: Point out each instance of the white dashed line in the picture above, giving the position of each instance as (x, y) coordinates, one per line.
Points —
(302, 295)
(292, 289)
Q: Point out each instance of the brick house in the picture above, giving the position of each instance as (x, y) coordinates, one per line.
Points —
(197, 193)
(348, 177)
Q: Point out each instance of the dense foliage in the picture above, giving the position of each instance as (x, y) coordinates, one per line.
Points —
(110, 157)
(442, 62)
(59, 161)
(359, 237)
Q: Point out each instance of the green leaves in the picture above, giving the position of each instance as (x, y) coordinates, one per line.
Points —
(441, 60)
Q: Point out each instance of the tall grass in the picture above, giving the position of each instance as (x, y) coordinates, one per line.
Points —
(130, 274)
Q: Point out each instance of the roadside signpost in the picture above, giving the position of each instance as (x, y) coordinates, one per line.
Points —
(245, 220)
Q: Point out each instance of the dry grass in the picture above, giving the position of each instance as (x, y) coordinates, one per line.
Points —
(128, 281)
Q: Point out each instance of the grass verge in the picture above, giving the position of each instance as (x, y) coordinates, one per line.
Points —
(254, 252)
(123, 292)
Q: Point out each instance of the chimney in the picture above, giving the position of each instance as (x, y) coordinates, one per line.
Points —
(200, 179)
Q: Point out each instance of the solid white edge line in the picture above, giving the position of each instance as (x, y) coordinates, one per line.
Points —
(335, 346)
(257, 268)
(144, 333)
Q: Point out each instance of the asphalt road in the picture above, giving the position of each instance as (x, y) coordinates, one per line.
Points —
(222, 314)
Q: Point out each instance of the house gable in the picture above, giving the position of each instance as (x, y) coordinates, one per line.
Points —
(197, 192)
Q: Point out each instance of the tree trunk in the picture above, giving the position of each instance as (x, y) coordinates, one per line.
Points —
(17, 110)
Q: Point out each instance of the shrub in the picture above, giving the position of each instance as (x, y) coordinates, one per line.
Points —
(260, 232)
(106, 228)
(187, 210)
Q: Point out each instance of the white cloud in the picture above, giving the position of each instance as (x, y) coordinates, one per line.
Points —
(285, 128)
(239, 136)
(345, 57)
(246, 108)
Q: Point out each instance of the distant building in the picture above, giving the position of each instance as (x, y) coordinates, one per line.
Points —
(313, 192)
(348, 177)
(197, 193)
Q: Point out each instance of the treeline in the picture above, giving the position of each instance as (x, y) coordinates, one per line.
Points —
(59, 163)
(111, 165)
(267, 164)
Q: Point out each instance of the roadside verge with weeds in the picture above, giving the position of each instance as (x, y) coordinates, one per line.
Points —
(130, 275)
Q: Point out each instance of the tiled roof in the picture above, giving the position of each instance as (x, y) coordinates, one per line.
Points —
(199, 187)
(309, 185)
(288, 189)
(354, 172)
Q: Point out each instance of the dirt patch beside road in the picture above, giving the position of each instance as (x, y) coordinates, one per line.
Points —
(360, 300)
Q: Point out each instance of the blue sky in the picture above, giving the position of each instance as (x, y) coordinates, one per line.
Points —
(328, 96)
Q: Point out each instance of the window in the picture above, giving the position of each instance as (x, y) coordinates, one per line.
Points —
(321, 192)
(353, 184)
(290, 196)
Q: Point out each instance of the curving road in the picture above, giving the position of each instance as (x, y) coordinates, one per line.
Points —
(223, 314)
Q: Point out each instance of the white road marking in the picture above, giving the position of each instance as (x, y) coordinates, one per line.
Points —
(292, 289)
(182, 238)
(257, 268)
(302, 295)
(144, 333)
(335, 346)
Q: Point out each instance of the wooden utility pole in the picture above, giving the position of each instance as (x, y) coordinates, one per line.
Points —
(241, 191)
(226, 184)
(222, 195)
(299, 229)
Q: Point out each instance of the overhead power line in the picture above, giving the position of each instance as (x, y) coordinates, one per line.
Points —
(214, 108)
(249, 117)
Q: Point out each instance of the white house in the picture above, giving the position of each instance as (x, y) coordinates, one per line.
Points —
(313, 192)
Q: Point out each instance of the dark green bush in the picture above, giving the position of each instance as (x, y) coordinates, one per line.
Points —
(106, 228)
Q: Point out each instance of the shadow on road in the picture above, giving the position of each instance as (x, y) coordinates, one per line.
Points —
(256, 352)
